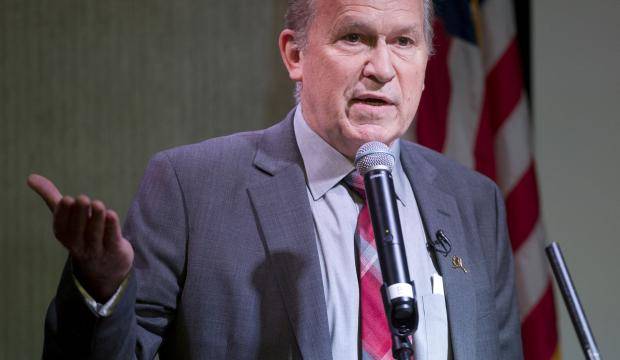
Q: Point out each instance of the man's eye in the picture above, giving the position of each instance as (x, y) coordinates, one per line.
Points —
(404, 41)
(352, 38)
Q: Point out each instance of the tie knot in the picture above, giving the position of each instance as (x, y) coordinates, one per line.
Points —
(355, 181)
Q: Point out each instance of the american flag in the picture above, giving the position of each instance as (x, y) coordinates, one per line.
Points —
(474, 109)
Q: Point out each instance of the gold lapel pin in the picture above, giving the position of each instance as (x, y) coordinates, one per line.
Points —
(457, 263)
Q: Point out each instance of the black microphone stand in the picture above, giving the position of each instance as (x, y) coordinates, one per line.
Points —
(402, 328)
(573, 305)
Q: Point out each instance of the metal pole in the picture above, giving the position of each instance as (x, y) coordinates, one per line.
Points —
(573, 305)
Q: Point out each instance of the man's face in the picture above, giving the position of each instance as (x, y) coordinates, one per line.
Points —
(362, 70)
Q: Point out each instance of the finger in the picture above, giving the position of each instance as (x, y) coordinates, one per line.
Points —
(46, 190)
(112, 235)
(61, 221)
(77, 222)
(95, 227)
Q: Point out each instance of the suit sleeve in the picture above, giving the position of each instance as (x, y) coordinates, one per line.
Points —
(506, 306)
(156, 226)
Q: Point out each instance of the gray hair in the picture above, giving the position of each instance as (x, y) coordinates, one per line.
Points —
(300, 13)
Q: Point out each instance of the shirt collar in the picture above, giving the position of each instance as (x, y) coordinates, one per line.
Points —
(326, 167)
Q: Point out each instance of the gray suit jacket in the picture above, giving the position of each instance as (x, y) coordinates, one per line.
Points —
(226, 263)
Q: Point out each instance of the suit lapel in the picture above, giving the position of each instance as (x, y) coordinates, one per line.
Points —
(439, 211)
(281, 206)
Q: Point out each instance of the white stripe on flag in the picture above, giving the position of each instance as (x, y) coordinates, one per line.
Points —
(512, 147)
(465, 101)
(531, 266)
(498, 28)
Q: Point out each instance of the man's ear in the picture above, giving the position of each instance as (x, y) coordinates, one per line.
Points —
(291, 54)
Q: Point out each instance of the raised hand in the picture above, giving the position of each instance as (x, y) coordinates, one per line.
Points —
(101, 257)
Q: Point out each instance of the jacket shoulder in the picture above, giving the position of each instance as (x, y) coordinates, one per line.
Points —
(215, 152)
(448, 167)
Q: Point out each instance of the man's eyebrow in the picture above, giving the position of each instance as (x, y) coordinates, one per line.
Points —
(346, 25)
(355, 25)
(411, 30)
(407, 29)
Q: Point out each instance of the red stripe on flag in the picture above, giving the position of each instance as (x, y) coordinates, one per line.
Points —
(504, 86)
(538, 330)
(433, 110)
(503, 89)
(484, 151)
(522, 210)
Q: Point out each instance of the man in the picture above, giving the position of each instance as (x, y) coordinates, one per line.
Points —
(248, 246)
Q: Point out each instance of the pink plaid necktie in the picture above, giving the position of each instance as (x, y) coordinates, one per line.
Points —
(375, 334)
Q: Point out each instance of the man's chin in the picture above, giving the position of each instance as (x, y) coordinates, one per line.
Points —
(368, 133)
(373, 131)
(367, 114)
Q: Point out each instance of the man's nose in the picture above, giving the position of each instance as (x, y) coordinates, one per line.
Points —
(379, 66)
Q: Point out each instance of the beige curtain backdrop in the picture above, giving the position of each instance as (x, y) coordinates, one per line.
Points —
(90, 90)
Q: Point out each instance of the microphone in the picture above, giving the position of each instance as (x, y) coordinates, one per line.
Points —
(374, 161)
(441, 245)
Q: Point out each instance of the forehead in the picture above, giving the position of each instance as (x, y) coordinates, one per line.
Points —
(332, 13)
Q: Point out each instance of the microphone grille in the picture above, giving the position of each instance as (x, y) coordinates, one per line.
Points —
(374, 155)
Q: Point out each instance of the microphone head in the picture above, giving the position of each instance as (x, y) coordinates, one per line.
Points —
(372, 156)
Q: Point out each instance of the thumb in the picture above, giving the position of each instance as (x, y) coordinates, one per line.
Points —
(46, 190)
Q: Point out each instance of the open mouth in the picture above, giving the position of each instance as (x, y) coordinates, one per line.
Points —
(371, 101)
